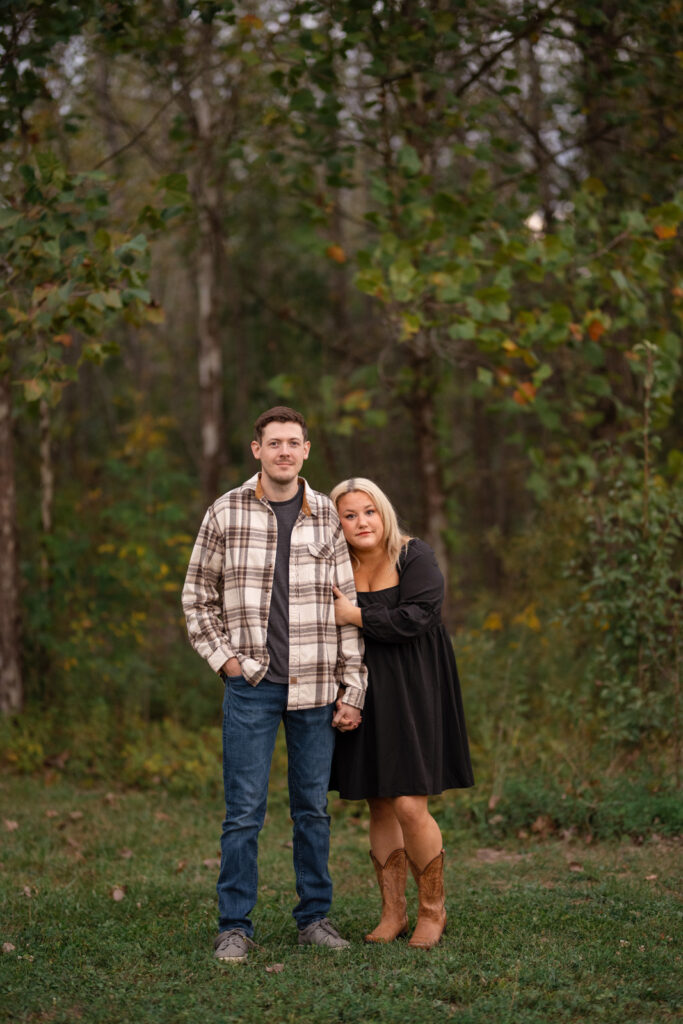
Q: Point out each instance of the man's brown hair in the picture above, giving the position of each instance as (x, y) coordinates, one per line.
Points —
(279, 414)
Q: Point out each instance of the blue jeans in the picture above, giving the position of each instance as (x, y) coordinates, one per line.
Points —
(251, 716)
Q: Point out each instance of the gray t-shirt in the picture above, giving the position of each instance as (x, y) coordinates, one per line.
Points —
(277, 639)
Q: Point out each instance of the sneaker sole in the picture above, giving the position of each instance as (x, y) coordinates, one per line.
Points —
(231, 959)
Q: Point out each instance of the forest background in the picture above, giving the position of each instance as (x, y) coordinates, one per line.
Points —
(445, 230)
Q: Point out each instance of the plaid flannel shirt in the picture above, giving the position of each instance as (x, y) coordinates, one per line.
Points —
(226, 596)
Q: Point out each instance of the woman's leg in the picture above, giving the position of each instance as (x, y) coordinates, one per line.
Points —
(425, 856)
(385, 830)
(421, 834)
(391, 867)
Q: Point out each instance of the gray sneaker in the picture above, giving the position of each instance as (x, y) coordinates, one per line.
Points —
(322, 933)
(232, 947)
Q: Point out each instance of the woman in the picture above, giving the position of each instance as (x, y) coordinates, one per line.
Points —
(412, 742)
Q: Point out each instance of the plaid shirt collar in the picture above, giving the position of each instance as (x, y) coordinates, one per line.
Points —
(308, 506)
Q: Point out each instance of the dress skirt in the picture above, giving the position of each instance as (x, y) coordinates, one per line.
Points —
(412, 740)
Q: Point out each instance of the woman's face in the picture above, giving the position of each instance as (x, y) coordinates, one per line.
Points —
(361, 522)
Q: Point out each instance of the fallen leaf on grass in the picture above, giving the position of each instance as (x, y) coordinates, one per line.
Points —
(11, 826)
(110, 798)
(126, 853)
(58, 760)
(118, 893)
(160, 816)
(180, 866)
(212, 862)
(275, 968)
(7, 947)
(543, 825)
(651, 878)
(489, 856)
(75, 815)
(27, 891)
(51, 814)
(575, 866)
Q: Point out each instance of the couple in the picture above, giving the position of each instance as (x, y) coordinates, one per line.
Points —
(270, 603)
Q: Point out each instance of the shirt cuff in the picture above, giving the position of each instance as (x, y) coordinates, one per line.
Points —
(354, 696)
(218, 659)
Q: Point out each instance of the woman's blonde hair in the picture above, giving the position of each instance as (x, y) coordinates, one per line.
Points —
(394, 541)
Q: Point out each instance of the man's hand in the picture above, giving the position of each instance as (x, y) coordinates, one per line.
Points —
(232, 667)
(346, 717)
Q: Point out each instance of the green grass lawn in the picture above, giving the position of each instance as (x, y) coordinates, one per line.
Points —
(539, 931)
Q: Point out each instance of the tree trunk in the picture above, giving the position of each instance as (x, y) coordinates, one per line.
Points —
(598, 42)
(47, 488)
(11, 692)
(422, 405)
(210, 361)
(207, 197)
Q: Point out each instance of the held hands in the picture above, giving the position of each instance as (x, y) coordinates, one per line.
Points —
(346, 717)
(345, 612)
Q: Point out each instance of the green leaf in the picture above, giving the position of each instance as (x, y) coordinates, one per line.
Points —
(465, 329)
(542, 373)
(52, 249)
(408, 161)
(9, 217)
(97, 301)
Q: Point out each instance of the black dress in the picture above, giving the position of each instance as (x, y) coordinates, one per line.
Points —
(412, 740)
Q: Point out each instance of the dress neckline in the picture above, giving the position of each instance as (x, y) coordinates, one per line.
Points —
(380, 591)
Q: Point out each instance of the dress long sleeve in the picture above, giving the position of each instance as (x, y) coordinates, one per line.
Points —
(421, 591)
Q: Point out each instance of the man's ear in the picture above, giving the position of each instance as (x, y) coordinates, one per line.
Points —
(256, 449)
(307, 449)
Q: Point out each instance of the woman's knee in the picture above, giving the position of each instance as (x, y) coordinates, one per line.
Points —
(411, 811)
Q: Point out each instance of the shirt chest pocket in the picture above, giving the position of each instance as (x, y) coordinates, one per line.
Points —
(320, 549)
(315, 563)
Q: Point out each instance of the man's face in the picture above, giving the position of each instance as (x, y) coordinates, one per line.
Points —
(282, 451)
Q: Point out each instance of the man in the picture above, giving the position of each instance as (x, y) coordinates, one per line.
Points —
(259, 606)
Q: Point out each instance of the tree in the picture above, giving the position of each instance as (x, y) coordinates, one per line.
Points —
(66, 278)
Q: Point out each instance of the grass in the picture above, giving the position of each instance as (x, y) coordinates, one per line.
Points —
(540, 930)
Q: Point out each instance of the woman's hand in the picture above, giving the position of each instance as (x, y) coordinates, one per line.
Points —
(345, 612)
(346, 717)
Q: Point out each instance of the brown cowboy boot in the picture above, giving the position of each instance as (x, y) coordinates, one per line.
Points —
(392, 884)
(431, 913)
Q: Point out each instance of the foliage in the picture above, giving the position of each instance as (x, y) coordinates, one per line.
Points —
(435, 230)
(68, 275)
(112, 630)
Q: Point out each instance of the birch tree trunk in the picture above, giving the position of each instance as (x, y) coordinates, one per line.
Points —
(11, 691)
(206, 189)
